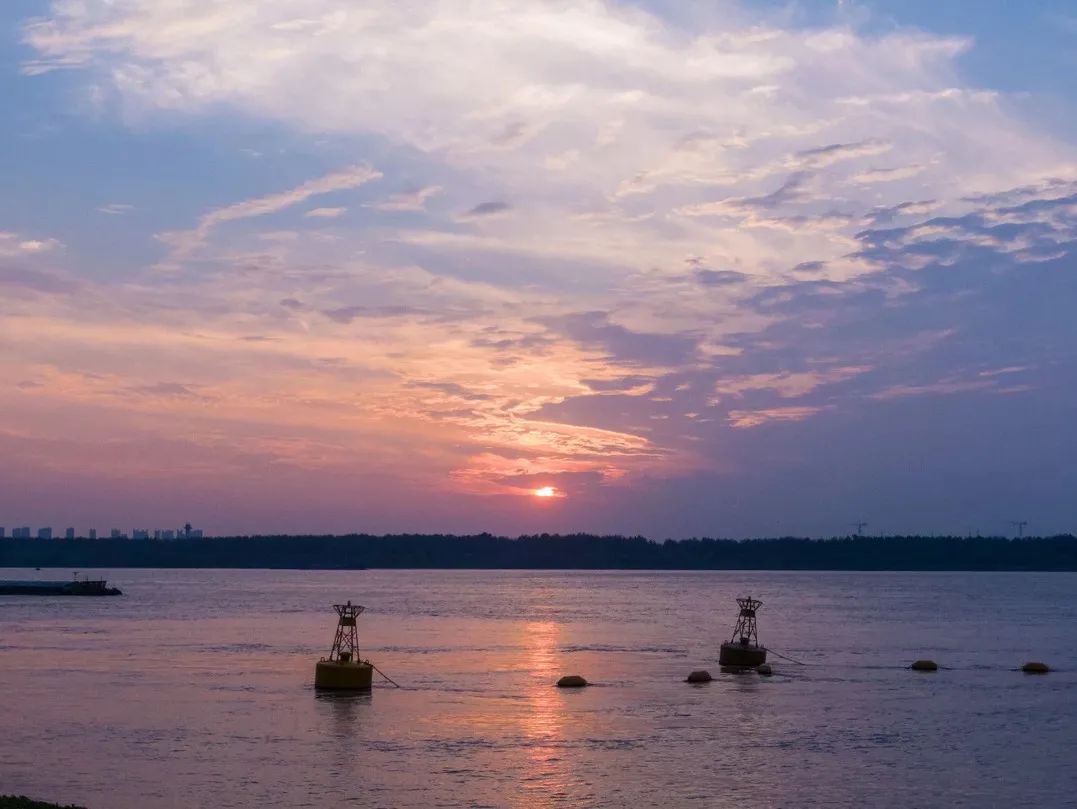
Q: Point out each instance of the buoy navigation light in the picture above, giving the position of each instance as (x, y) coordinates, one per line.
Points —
(743, 651)
(343, 670)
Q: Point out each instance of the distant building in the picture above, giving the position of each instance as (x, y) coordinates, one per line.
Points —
(93, 533)
(196, 533)
(140, 533)
(44, 533)
(69, 533)
(22, 532)
(1, 532)
(168, 534)
(116, 533)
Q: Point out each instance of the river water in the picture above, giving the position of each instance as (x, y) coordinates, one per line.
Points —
(194, 690)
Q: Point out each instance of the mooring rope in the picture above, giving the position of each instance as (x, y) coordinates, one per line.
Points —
(386, 676)
(786, 657)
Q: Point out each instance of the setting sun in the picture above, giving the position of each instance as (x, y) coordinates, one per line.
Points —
(546, 491)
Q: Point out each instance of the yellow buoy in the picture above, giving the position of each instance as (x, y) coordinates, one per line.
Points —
(343, 670)
(700, 676)
(572, 681)
(1035, 667)
(924, 665)
(343, 675)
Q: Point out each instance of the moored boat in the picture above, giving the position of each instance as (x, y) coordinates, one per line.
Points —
(75, 587)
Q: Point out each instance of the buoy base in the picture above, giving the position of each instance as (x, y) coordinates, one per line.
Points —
(924, 665)
(336, 676)
(700, 676)
(741, 656)
(572, 681)
(1034, 667)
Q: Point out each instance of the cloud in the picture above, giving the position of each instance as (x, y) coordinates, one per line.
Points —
(792, 189)
(745, 244)
(745, 419)
(719, 277)
(823, 156)
(484, 209)
(409, 200)
(184, 242)
(36, 280)
(324, 213)
(116, 208)
(888, 175)
(347, 314)
(166, 390)
(593, 329)
(12, 244)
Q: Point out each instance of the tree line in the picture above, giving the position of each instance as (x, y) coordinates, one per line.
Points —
(547, 551)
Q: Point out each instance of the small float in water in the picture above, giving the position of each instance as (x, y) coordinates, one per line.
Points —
(343, 670)
(743, 651)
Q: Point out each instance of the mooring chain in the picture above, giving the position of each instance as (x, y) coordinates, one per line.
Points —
(386, 676)
(786, 657)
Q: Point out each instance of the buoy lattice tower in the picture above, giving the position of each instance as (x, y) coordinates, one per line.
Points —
(742, 650)
(746, 629)
(343, 669)
(346, 640)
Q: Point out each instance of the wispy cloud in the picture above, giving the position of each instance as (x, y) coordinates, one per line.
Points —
(116, 208)
(325, 213)
(183, 242)
(745, 419)
(409, 200)
(486, 209)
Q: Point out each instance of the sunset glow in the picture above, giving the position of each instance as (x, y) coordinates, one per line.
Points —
(377, 253)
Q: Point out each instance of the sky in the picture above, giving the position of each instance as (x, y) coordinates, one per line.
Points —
(695, 269)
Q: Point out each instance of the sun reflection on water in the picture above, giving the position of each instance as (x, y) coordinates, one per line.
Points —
(544, 715)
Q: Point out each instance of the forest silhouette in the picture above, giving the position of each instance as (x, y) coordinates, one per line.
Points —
(554, 552)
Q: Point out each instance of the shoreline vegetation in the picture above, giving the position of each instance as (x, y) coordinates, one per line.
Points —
(551, 552)
(22, 802)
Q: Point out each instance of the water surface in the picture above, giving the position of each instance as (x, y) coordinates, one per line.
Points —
(194, 690)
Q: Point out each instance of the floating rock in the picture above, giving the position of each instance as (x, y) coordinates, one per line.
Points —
(924, 665)
(1035, 667)
(571, 681)
(765, 670)
(700, 676)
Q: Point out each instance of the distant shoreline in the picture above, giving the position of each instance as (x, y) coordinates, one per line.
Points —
(22, 802)
(551, 552)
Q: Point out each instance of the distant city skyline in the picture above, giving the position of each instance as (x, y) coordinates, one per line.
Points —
(638, 267)
(48, 532)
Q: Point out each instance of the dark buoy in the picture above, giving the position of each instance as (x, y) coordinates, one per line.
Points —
(701, 676)
(1035, 667)
(924, 665)
(343, 670)
(765, 670)
(572, 681)
(743, 651)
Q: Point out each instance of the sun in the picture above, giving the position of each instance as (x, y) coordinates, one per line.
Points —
(546, 491)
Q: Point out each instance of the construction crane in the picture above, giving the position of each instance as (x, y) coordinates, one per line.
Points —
(860, 526)
(1019, 525)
